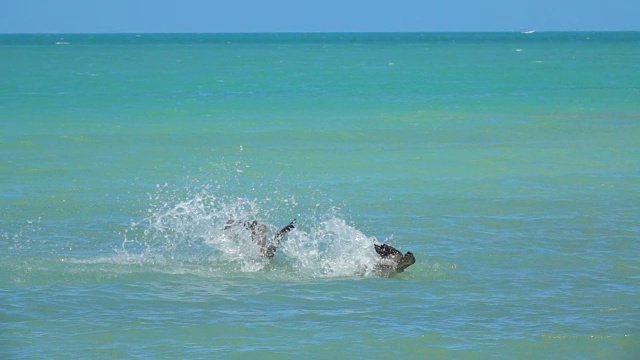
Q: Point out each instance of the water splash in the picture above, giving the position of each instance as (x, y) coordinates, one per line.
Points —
(331, 248)
(189, 226)
(20, 240)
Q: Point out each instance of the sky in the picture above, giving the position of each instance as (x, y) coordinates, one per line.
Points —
(214, 16)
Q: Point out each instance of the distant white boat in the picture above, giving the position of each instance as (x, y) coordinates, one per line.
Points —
(527, 32)
(62, 43)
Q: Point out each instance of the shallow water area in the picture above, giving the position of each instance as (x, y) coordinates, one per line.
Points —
(506, 163)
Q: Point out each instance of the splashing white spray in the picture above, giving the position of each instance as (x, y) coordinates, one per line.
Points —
(191, 228)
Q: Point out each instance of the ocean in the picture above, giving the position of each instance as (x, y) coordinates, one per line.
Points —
(507, 163)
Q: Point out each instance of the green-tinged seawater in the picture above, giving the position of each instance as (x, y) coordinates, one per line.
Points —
(507, 163)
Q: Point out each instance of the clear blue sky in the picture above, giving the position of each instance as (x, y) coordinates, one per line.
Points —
(137, 16)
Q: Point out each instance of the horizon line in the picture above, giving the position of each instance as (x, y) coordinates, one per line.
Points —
(522, 31)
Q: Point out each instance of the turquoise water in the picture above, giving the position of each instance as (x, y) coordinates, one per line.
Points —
(507, 163)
